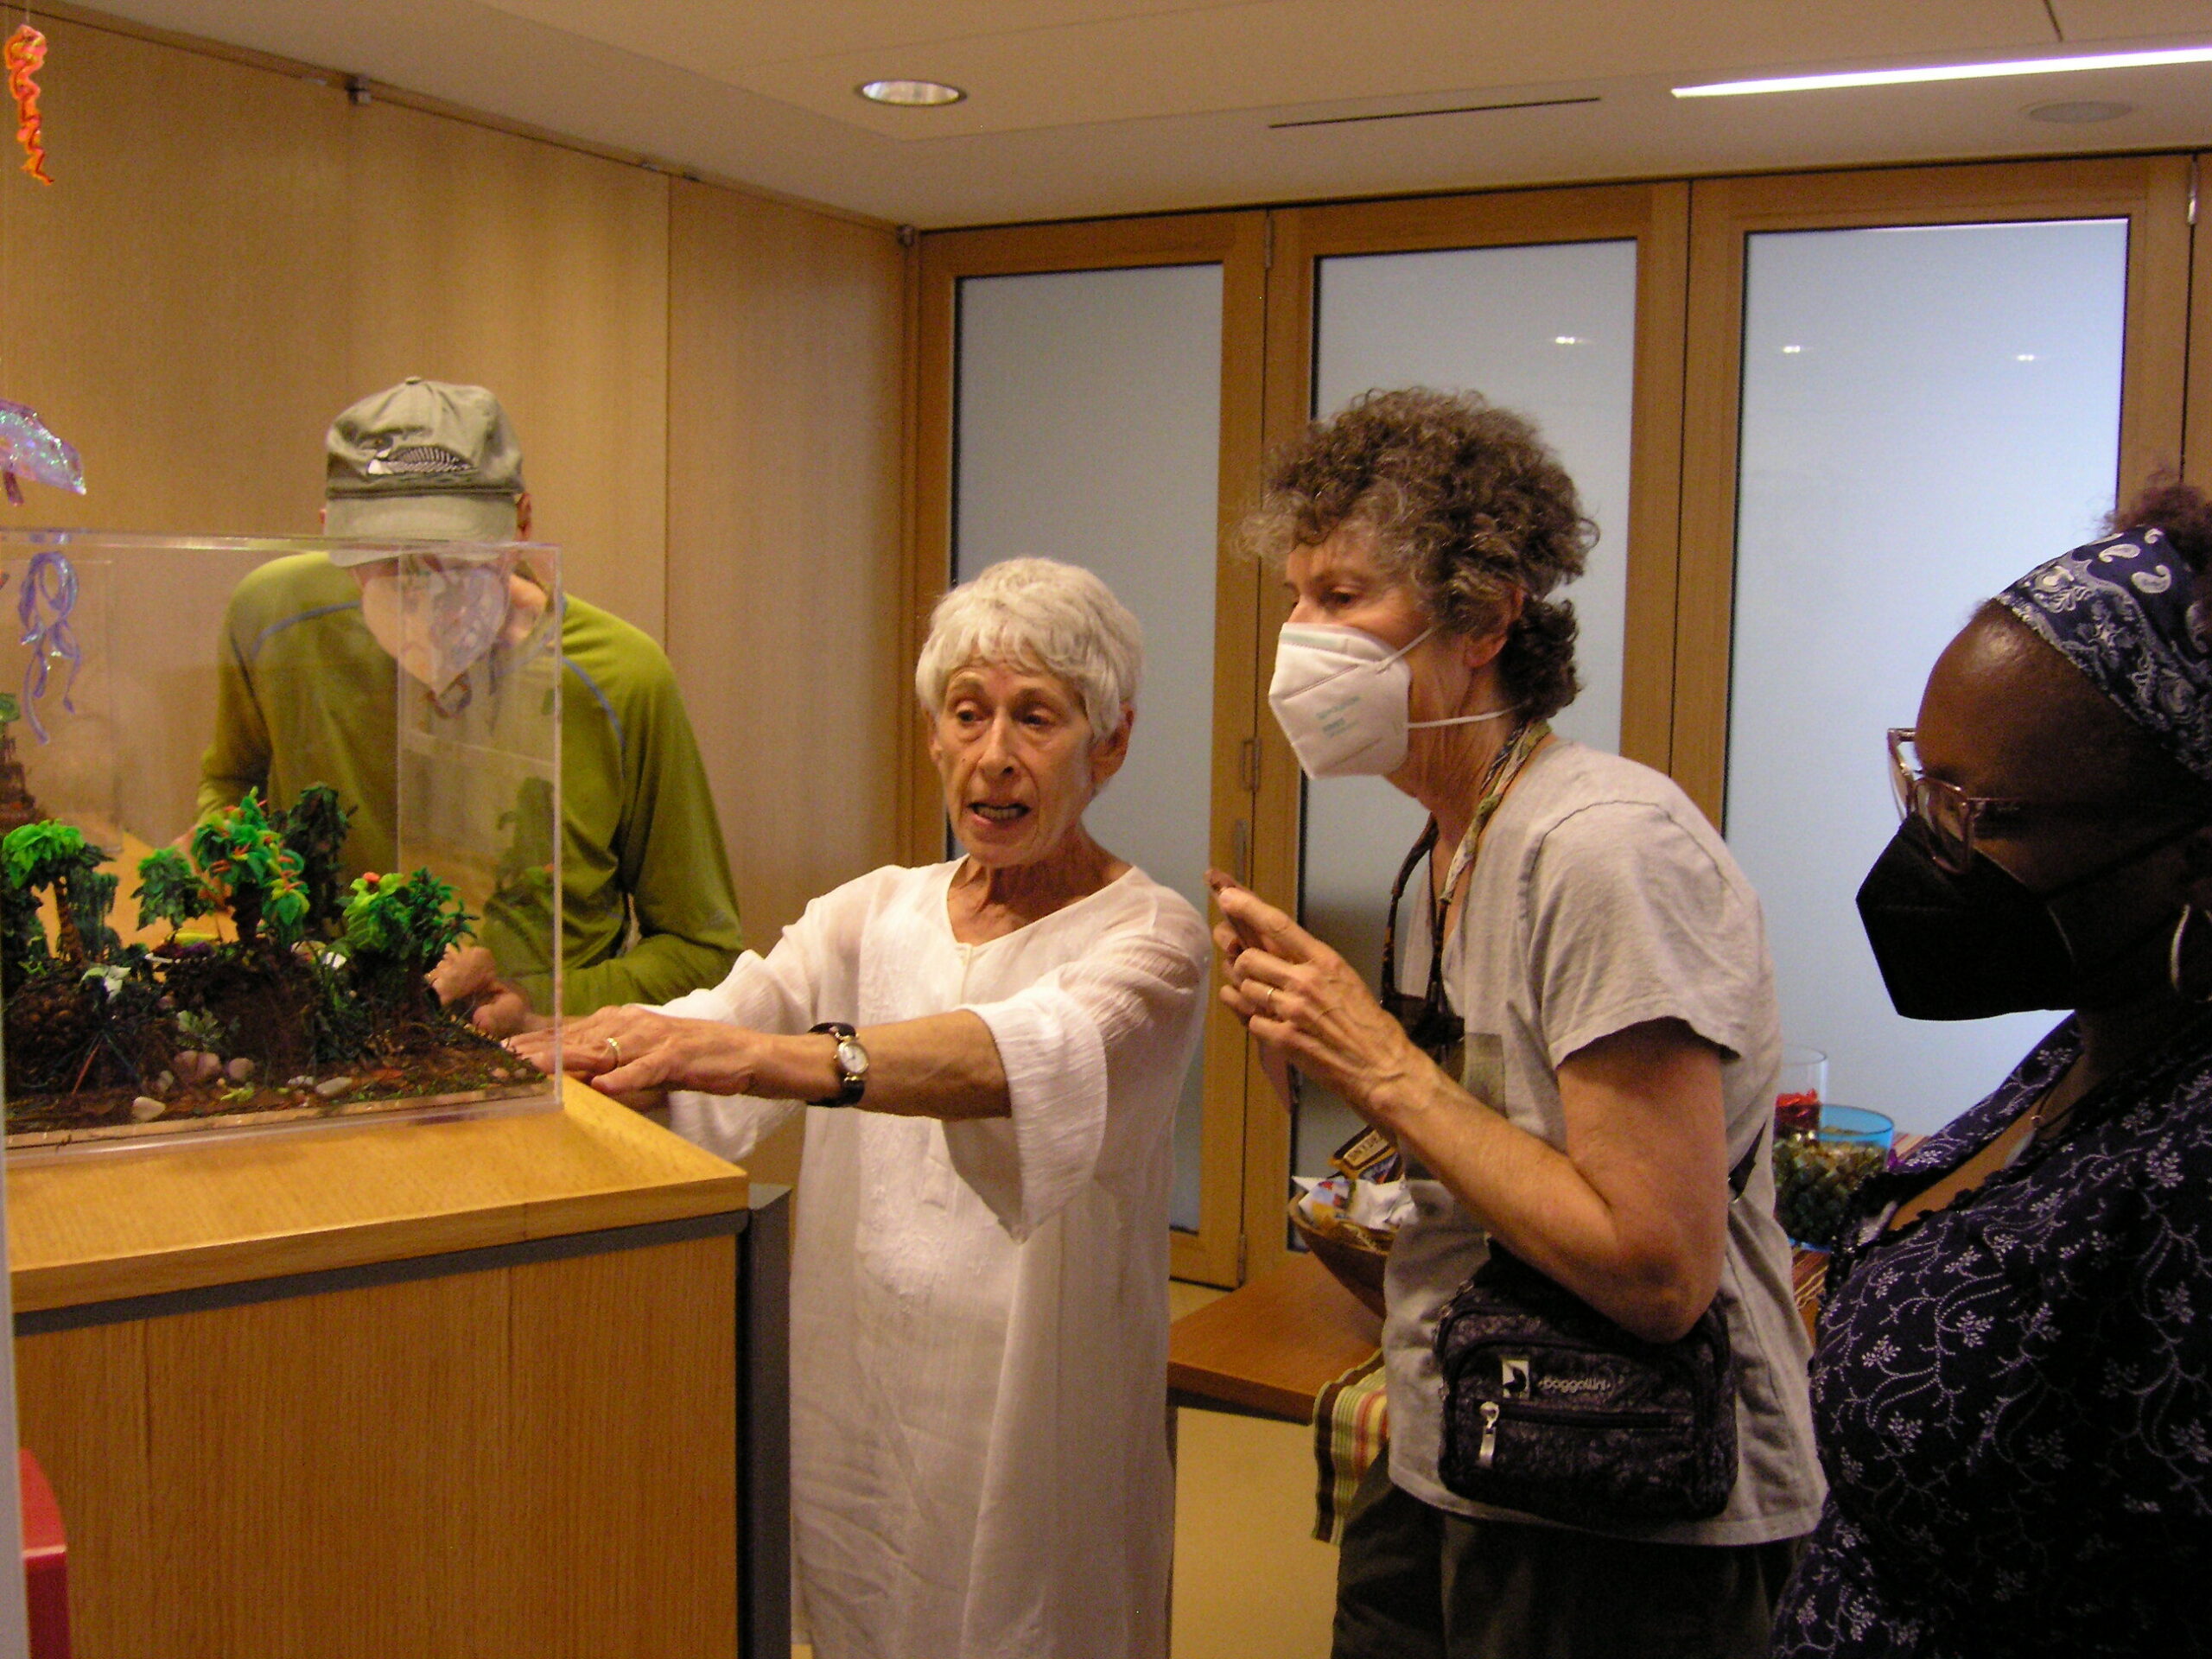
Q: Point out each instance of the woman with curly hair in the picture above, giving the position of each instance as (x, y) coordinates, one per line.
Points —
(1581, 1072)
(2014, 1380)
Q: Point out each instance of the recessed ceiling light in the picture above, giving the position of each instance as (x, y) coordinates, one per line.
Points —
(1567, 340)
(1951, 72)
(2080, 112)
(910, 94)
(1791, 350)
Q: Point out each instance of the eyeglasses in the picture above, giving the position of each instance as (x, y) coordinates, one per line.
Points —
(1950, 816)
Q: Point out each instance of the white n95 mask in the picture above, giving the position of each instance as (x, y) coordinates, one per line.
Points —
(437, 623)
(1340, 696)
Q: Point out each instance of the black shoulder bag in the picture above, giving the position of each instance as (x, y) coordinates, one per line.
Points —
(1552, 1408)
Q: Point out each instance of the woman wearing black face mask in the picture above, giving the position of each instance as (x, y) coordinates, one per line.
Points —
(2013, 1386)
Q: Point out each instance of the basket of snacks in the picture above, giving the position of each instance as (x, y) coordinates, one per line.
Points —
(1818, 1168)
(1348, 1224)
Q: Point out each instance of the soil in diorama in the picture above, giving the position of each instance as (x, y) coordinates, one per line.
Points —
(319, 1004)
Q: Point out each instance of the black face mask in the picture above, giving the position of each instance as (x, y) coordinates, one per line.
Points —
(1967, 947)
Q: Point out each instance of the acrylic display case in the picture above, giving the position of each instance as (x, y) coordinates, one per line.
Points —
(249, 801)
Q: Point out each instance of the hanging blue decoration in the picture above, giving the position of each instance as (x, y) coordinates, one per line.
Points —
(49, 594)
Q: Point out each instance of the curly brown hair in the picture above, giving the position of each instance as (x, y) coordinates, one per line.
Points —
(1466, 502)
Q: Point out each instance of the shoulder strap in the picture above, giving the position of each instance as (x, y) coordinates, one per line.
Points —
(1739, 1177)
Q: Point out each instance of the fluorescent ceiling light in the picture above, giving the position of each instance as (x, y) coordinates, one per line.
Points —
(910, 94)
(1950, 72)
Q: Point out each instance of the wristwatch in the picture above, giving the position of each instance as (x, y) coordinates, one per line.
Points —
(852, 1065)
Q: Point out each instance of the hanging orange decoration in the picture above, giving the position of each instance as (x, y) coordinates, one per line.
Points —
(25, 55)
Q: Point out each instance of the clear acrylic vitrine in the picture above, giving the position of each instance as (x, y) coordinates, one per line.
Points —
(252, 795)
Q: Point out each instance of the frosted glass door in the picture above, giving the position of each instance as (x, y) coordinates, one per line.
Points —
(1548, 330)
(1926, 413)
(1089, 423)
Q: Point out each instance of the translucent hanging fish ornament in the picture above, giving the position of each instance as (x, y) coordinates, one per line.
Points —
(48, 595)
(25, 55)
(28, 449)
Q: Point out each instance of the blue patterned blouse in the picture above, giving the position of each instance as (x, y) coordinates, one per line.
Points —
(2014, 1395)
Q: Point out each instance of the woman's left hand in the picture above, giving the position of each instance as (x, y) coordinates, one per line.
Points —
(1294, 991)
(637, 1055)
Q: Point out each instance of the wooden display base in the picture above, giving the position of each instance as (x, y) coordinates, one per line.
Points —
(515, 1386)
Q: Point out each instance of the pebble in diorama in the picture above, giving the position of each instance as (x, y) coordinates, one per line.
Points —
(312, 1001)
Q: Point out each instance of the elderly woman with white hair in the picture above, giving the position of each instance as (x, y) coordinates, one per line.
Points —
(995, 1046)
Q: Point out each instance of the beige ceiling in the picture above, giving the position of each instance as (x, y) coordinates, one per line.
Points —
(1091, 106)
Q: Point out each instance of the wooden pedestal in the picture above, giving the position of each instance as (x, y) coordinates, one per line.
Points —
(513, 1387)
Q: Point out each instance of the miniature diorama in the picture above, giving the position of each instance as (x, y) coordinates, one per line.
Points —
(236, 843)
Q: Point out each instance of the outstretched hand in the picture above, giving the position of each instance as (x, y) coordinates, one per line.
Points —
(1300, 998)
(637, 1055)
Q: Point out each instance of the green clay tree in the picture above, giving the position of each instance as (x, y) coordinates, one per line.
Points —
(243, 860)
(398, 927)
(314, 829)
(92, 896)
(171, 890)
(49, 854)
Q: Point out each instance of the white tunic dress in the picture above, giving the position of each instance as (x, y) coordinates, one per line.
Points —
(979, 1310)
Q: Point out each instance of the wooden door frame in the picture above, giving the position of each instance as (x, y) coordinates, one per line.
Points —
(1237, 242)
(1656, 216)
(2153, 193)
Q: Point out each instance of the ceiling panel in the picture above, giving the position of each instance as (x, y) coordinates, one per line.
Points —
(1079, 63)
(2104, 20)
(1079, 161)
(719, 39)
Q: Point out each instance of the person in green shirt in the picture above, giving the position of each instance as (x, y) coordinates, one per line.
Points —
(307, 694)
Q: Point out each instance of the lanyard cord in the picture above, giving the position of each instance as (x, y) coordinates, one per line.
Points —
(1503, 772)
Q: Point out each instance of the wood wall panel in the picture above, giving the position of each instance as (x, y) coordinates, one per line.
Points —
(786, 333)
(229, 255)
(476, 255)
(175, 301)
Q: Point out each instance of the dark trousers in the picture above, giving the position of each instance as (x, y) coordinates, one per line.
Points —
(1416, 1582)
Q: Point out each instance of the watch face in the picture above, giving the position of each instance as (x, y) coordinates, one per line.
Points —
(852, 1057)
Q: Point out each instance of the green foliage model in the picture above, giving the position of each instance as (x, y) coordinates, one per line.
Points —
(171, 890)
(406, 919)
(315, 831)
(317, 976)
(244, 858)
(36, 856)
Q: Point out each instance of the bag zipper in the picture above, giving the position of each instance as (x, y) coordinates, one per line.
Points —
(1491, 1411)
(1544, 1411)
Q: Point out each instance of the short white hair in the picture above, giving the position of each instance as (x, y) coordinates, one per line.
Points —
(1038, 613)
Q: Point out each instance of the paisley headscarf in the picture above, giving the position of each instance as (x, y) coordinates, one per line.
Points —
(2123, 610)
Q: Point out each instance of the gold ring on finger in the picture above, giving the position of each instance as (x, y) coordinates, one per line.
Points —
(1271, 1001)
(615, 1051)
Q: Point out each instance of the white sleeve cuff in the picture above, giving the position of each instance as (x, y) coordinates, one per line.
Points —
(1028, 1166)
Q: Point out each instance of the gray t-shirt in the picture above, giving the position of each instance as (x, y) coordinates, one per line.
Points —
(1601, 899)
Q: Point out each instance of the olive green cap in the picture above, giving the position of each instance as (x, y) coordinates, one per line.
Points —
(423, 461)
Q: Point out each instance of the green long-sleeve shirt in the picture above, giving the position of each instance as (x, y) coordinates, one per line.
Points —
(306, 695)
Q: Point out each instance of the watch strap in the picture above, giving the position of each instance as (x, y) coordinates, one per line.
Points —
(850, 1085)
